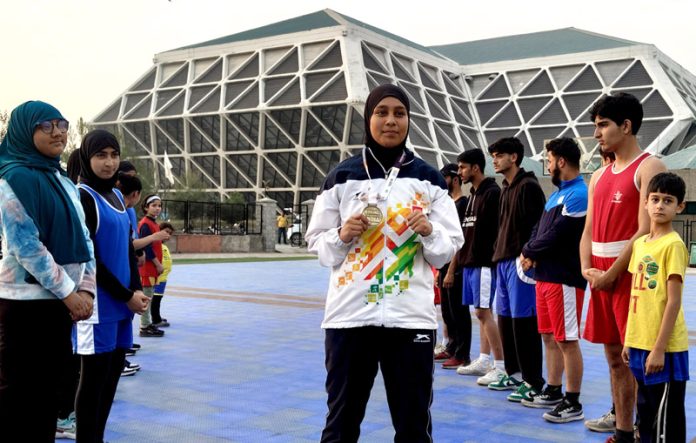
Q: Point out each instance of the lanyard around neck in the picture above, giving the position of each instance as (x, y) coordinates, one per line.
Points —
(391, 178)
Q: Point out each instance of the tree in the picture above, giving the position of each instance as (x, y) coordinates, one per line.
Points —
(75, 135)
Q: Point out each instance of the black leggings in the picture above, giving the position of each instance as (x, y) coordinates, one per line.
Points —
(155, 311)
(34, 346)
(99, 378)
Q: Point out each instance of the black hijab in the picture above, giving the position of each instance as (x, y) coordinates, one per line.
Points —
(93, 142)
(386, 156)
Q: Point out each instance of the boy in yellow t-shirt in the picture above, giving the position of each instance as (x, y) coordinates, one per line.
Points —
(161, 283)
(656, 343)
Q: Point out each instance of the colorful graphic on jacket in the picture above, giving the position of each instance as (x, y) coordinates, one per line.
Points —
(366, 261)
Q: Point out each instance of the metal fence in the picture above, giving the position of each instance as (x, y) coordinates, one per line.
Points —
(194, 217)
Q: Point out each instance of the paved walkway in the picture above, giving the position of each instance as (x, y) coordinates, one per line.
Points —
(243, 362)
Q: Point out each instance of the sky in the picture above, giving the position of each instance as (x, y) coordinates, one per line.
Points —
(80, 55)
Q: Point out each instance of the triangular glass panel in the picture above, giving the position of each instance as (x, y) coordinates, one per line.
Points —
(249, 70)
(371, 62)
(272, 177)
(419, 132)
(164, 96)
(197, 93)
(313, 82)
(174, 128)
(586, 81)
(208, 124)
(435, 109)
(174, 107)
(379, 54)
(111, 114)
(460, 115)
(553, 114)
(286, 162)
(147, 83)
(508, 117)
(178, 168)
(486, 110)
(540, 85)
(271, 86)
(578, 103)
(235, 141)
(519, 79)
(332, 59)
(316, 135)
(211, 103)
(639, 93)
(248, 100)
(210, 165)
(214, 73)
(401, 72)
(310, 175)
(432, 73)
(326, 160)
(235, 179)
(201, 65)
(271, 56)
(636, 76)
(198, 142)
(610, 70)
(539, 135)
(142, 110)
(445, 137)
(131, 101)
(650, 130)
(406, 64)
(310, 51)
(379, 79)
(414, 96)
(478, 83)
(236, 61)
(164, 144)
(430, 157)
(452, 83)
(288, 65)
(333, 117)
(166, 70)
(356, 134)
(274, 138)
(497, 89)
(290, 120)
(180, 78)
(247, 164)
(334, 92)
(563, 74)
(426, 79)
(234, 90)
(466, 140)
(248, 124)
(492, 136)
(291, 96)
(137, 138)
(472, 134)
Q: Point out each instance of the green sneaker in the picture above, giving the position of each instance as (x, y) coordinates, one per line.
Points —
(524, 392)
(506, 383)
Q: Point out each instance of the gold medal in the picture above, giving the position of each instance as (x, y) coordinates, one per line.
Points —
(373, 214)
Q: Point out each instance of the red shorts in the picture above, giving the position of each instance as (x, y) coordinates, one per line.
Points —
(608, 311)
(559, 309)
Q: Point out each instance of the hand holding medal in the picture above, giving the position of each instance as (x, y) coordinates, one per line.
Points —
(353, 227)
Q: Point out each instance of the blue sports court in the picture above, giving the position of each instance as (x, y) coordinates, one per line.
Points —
(243, 362)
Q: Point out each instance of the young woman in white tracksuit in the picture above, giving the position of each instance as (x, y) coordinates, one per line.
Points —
(381, 220)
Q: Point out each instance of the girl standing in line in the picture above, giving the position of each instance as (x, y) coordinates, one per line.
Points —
(152, 206)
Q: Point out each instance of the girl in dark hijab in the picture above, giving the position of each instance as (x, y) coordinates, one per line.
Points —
(102, 340)
(48, 274)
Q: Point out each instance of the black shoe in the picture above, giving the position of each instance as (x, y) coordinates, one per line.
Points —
(162, 324)
(135, 346)
(151, 331)
(565, 412)
(131, 352)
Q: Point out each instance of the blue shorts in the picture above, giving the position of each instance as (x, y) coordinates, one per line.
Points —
(159, 288)
(90, 338)
(515, 291)
(478, 287)
(676, 367)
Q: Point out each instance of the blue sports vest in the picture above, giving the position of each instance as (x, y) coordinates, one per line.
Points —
(111, 247)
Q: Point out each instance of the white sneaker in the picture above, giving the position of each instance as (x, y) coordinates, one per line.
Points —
(439, 348)
(491, 376)
(476, 367)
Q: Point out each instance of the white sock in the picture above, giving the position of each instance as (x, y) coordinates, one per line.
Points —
(485, 358)
(499, 364)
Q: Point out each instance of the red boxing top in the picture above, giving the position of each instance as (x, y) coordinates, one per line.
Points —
(148, 270)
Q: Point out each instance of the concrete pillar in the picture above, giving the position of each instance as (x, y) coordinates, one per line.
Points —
(268, 226)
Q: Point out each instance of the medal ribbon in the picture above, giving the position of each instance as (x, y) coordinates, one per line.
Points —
(391, 178)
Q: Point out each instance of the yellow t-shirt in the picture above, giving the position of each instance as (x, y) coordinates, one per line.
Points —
(166, 264)
(282, 221)
(652, 262)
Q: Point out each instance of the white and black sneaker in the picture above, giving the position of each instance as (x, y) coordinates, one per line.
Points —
(565, 412)
(548, 398)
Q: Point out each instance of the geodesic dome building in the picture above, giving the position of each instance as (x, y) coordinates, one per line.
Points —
(271, 110)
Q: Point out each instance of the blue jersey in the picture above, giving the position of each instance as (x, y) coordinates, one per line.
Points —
(133, 222)
(555, 241)
(111, 241)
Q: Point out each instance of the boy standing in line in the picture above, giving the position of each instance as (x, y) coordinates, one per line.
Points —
(615, 219)
(656, 347)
